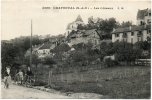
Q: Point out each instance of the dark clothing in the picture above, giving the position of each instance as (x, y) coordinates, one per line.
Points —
(29, 73)
(6, 74)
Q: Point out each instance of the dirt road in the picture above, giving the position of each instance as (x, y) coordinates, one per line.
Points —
(19, 92)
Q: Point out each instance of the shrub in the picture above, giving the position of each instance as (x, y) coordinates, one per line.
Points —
(109, 62)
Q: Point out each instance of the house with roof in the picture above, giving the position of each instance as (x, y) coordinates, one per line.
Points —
(73, 26)
(44, 50)
(144, 17)
(132, 34)
(34, 50)
(85, 36)
(135, 33)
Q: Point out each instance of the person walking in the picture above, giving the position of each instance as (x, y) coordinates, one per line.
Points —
(21, 77)
(29, 75)
(7, 77)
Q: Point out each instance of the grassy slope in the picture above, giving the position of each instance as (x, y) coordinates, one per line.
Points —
(118, 82)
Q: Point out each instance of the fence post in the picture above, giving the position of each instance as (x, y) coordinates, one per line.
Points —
(49, 79)
(50, 76)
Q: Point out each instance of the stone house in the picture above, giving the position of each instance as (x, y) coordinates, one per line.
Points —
(85, 36)
(44, 50)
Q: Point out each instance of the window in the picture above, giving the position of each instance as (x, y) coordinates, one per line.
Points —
(149, 14)
(139, 33)
(141, 22)
(117, 35)
(124, 35)
(132, 33)
(149, 31)
(148, 21)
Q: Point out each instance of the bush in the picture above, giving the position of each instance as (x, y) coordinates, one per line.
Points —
(109, 62)
(40, 83)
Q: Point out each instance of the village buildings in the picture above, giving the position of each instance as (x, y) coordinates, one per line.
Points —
(74, 25)
(85, 36)
(44, 50)
(135, 33)
(144, 17)
(74, 36)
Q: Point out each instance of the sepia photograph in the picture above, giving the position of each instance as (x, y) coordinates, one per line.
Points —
(75, 49)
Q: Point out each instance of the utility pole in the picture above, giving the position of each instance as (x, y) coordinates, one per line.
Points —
(31, 46)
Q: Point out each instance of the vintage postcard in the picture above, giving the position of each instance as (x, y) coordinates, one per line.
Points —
(75, 49)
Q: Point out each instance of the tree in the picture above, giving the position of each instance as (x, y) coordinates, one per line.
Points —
(106, 49)
(106, 26)
(80, 27)
(35, 61)
(49, 61)
(9, 53)
(126, 24)
(78, 56)
(126, 52)
(144, 46)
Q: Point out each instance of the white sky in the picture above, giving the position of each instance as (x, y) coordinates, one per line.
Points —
(17, 14)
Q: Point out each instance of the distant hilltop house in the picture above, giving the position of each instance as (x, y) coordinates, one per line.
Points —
(44, 50)
(85, 36)
(144, 17)
(139, 32)
(57, 39)
(74, 25)
(34, 50)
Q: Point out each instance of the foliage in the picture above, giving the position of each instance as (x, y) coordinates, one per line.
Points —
(106, 26)
(106, 49)
(143, 45)
(8, 55)
(109, 62)
(126, 24)
(124, 52)
(35, 59)
(78, 56)
(9, 52)
(48, 61)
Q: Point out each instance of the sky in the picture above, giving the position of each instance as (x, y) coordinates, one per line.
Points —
(16, 15)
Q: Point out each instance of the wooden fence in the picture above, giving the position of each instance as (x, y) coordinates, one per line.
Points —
(94, 75)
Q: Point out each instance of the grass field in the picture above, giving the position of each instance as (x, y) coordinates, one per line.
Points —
(127, 82)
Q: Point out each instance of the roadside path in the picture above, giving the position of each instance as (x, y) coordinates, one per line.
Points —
(19, 92)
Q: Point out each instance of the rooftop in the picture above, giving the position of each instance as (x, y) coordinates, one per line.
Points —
(46, 46)
(83, 33)
(142, 13)
(132, 28)
(64, 47)
(79, 19)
